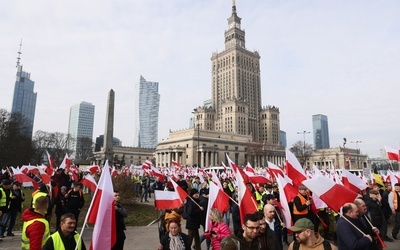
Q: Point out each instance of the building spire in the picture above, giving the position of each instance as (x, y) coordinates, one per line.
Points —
(233, 7)
(19, 53)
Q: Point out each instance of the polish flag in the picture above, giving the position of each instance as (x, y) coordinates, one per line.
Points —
(114, 172)
(284, 200)
(215, 179)
(246, 201)
(182, 194)
(218, 199)
(175, 163)
(89, 182)
(104, 236)
(66, 163)
(334, 195)
(392, 153)
(274, 169)
(294, 170)
(259, 179)
(94, 169)
(24, 179)
(289, 190)
(167, 199)
(157, 173)
(147, 164)
(249, 170)
(352, 181)
(45, 177)
(393, 179)
(50, 168)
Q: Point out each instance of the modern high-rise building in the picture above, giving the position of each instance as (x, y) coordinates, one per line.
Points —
(146, 114)
(320, 131)
(24, 100)
(80, 128)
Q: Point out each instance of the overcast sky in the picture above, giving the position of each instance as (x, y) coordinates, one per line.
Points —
(339, 58)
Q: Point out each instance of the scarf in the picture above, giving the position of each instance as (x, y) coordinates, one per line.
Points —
(176, 242)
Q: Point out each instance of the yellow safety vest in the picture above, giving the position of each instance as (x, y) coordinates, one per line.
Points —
(3, 200)
(25, 241)
(259, 199)
(37, 195)
(59, 245)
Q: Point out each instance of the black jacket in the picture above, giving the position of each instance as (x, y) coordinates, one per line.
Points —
(194, 218)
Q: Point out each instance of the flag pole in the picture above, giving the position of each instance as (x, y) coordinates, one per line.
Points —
(344, 217)
(383, 245)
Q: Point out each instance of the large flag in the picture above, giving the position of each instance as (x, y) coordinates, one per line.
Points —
(66, 163)
(393, 179)
(392, 153)
(102, 213)
(352, 181)
(274, 169)
(167, 199)
(334, 195)
(23, 178)
(89, 182)
(218, 199)
(182, 193)
(293, 169)
(50, 168)
(284, 201)
(157, 173)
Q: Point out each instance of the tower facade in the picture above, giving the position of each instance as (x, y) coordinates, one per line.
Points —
(24, 100)
(147, 108)
(320, 131)
(80, 128)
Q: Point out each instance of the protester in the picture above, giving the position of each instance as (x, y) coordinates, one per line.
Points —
(394, 200)
(60, 205)
(74, 201)
(228, 192)
(348, 236)
(35, 229)
(273, 222)
(174, 239)
(375, 212)
(266, 236)
(65, 237)
(5, 200)
(194, 220)
(248, 239)
(145, 187)
(306, 238)
(120, 214)
(218, 230)
(17, 198)
(365, 222)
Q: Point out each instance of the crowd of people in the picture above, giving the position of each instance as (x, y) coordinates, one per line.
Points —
(362, 224)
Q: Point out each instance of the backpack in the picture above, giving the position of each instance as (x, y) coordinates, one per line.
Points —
(326, 244)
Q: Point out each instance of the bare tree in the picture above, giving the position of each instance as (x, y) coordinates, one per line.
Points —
(84, 151)
(303, 151)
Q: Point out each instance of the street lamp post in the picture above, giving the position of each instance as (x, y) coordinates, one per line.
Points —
(198, 145)
(304, 143)
(358, 152)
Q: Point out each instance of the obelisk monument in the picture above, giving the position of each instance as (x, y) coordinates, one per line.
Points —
(109, 129)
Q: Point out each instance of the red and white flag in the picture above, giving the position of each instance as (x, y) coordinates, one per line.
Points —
(102, 213)
(274, 170)
(167, 199)
(24, 179)
(352, 181)
(50, 168)
(392, 153)
(157, 173)
(284, 200)
(147, 164)
(89, 182)
(182, 194)
(66, 163)
(249, 170)
(334, 195)
(393, 179)
(45, 177)
(175, 163)
(94, 169)
(215, 179)
(218, 199)
(294, 170)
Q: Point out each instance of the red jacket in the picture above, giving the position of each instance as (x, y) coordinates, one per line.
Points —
(36, 230)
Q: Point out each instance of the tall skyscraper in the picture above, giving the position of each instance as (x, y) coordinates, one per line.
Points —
(236, 91)
(147, 107)
(80, 128)
(320, 131)
(24, 100)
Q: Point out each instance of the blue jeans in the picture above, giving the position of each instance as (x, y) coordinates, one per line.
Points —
(4, 219)
(145, 192)
(227, 216)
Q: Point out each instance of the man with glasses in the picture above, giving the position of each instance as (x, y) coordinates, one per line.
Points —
(248, 239)
(306, 238)
(348, 230)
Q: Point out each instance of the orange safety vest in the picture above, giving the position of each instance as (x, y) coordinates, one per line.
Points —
(303, 202)
(395, 203)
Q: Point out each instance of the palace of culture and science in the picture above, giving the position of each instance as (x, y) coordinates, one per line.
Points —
(235, 123)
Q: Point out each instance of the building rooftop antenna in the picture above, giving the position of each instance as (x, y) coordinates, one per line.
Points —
(19, 53)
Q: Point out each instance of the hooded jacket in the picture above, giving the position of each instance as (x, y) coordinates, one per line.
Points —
(36, 230)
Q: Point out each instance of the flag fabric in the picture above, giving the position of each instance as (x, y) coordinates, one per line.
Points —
(289, 190)
(94, 169)
(217, 198)
(249, 170)
(392, 153)
(157, 173)
(334, 195)
(182, 194)
(45, 177)
(352, 181)
(50, 168)
(393, 179)
(24, 179)
(274, 169)
(259, 179)
(166, 200)
(294, 170)
(102, 207)
(89, 182)
(284, 201)
(66, 163)
(175, 163)
(215, 179)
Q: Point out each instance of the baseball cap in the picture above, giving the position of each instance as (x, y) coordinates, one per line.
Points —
(302, 224)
